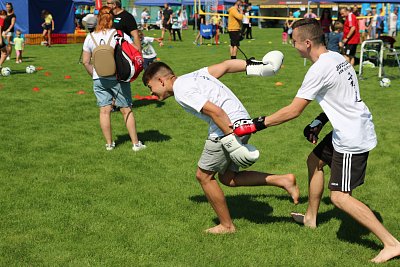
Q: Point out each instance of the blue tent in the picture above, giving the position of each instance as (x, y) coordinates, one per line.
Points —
(28, 13)
(84, 2)
(158, 2)
(222, 2)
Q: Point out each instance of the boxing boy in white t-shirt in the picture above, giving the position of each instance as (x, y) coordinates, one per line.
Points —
(332, 81)
(203, 95)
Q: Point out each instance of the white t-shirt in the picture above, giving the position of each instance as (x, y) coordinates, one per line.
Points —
(147, 49)
(392, 21)
(89, 46)
(332, 81)
(194, 89)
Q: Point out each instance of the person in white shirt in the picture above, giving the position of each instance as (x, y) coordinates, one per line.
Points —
(148, 52)
(332, 82)
(107, 89)
(203, 95)
(393, 22)
(144, 19)
(372, 25)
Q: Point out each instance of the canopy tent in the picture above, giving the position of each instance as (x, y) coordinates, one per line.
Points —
(202, 2)
(157, 2)
(84, 2)
(28, 13)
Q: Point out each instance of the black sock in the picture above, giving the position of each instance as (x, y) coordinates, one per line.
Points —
(233, 57)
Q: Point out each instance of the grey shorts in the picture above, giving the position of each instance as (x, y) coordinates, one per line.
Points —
(214, 157)
(106, 90)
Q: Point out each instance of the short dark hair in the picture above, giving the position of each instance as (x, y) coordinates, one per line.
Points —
(154, 69)
(309, 28)
(118, 3)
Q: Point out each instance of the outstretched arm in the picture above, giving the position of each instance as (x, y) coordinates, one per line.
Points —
(287, 113)
(227, 66)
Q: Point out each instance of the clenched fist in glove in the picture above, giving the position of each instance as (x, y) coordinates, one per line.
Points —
(312, 130)
(247, 126)
(269, 65)
(242, 155)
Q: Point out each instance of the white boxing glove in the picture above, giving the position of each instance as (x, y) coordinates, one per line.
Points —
(242, 155)
(274, 58)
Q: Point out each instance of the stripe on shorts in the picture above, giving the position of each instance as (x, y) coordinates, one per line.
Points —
(346, 172)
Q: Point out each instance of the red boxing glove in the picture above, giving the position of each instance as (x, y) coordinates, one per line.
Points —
(247, 126)
(245, 129)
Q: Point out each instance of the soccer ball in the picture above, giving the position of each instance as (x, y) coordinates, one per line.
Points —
(6, 71)
(385, 82)
(30, 69)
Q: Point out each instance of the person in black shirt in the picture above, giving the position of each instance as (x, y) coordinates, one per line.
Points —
(166, 21)
(124, 21)
(8, 28)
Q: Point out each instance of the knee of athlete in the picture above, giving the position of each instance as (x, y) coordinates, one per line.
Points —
(314, 162)
(203, 177)
(338, 198)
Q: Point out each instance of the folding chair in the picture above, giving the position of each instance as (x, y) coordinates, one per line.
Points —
(207, 31)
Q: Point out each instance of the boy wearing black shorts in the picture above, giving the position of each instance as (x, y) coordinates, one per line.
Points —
(332, 82)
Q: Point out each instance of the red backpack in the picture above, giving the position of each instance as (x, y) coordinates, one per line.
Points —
(128, 60)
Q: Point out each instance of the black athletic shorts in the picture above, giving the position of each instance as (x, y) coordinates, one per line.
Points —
(347, 169)
(167, 25)
(235, 37)
(350, 50)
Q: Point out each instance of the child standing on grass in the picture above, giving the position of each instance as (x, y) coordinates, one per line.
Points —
(148, 51)
(334, 42)
(19, 43)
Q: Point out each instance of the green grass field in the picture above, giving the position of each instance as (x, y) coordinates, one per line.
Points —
(65, 200)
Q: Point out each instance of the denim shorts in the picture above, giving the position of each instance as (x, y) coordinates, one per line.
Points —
(106, 90)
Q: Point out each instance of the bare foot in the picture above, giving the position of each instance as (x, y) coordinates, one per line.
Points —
(301, 219)
(292, 188)
(220, 229)
(387, 253)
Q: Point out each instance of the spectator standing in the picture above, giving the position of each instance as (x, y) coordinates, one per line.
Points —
(310, 14)
(245, 23)
(3, 15)
(124, 21)
(335, 38)
(297, 13)
(380, 23)
(19, 44)
(199, 38)
(3, 47)
(216, 22)
(326, 23)
(351, 35)
(145, 18)
(393, 22)
(48, 27)
(166, 21)
(108, 88)
(372, 26)
(177, 25)
(8, 31)
(234, 27)
(289, 23)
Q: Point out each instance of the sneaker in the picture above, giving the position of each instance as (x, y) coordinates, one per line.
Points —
(110, 146)
(8, 58)
(258, 68)
(138, 146)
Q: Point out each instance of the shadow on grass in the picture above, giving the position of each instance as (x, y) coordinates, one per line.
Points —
(248, 207)
(150, 135)
(146, 102)
(350, 230)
